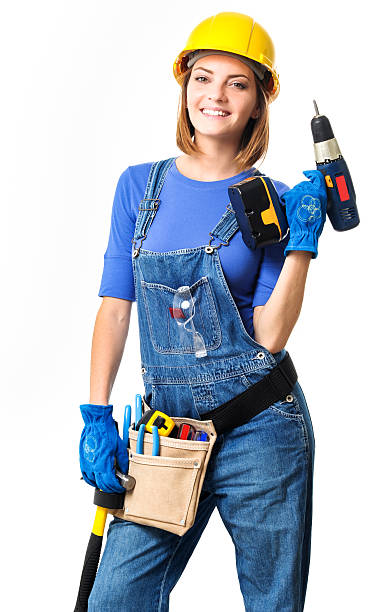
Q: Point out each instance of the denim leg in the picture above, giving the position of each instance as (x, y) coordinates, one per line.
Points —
(309, 497)
(141, 565)
(262, 480)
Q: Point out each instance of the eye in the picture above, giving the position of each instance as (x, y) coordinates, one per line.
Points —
(241, 86)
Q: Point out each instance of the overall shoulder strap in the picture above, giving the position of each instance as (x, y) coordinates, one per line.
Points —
(227, 224)
(150, 203)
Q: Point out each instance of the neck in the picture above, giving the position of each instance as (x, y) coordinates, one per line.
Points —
(216, 160)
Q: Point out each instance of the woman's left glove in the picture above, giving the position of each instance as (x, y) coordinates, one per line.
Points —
(306, 208)
(100, 446)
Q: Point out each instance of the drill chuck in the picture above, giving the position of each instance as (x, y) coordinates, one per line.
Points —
(321, 127)
(327, 151)
(326, 148)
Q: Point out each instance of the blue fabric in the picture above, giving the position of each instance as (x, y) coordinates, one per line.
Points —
(188, 211)
(260, 474)
(100, 446)
(259, 479)
(306, 207)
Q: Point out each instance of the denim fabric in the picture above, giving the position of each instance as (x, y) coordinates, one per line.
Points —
(260, 474)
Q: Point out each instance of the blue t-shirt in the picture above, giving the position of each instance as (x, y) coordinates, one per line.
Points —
(188, 211)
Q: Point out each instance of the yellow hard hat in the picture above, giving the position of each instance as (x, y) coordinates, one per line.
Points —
(233, 33)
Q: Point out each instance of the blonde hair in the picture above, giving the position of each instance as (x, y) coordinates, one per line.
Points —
(255, 137)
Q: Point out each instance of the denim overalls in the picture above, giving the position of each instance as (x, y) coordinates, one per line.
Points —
(260, 474)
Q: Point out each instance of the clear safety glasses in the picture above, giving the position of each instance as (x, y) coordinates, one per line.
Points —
(183, 313)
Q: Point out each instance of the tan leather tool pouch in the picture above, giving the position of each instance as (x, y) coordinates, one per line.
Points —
(168, 485)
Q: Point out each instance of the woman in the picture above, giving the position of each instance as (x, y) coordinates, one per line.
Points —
(260, 474)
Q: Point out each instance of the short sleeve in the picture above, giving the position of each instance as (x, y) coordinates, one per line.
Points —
(271, 263)
(117, 277)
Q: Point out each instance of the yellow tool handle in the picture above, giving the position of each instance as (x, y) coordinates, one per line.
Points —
(99, 521)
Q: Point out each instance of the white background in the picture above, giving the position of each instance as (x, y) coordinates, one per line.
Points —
(87, 90)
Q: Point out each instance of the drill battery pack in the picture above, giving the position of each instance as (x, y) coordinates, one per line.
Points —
(259, 212)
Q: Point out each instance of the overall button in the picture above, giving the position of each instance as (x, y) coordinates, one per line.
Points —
(209, 249)
(260, 355)
(143, 370)
(289, 398)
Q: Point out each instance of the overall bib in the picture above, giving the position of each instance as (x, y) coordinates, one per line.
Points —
(260, 474)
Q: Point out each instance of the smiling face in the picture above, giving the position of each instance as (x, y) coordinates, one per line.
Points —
(224, 83)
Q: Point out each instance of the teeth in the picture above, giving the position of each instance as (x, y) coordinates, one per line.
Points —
(207, 111)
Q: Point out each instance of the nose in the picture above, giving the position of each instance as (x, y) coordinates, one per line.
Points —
(218, 98)
(218, 93)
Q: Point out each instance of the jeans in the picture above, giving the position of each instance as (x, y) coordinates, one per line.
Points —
(260, 479)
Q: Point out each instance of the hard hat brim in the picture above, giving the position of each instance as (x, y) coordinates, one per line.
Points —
(270, 81)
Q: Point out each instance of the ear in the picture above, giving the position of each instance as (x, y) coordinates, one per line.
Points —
(256, 110)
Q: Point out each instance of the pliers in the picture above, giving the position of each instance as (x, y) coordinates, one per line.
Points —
(140, 440)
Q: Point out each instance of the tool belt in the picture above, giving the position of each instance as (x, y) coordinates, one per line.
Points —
(168, 485)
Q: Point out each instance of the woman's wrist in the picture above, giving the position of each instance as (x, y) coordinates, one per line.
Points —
(99, 400)
(300, 255)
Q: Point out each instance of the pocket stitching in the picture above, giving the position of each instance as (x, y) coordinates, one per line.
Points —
(164, 461)
(296, 417)
(295, 403)
(287, 415)
(176, 442)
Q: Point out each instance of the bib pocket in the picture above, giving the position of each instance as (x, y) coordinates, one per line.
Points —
(166, 334)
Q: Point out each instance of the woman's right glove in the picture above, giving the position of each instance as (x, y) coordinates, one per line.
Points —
(306, 207)
(100, 446)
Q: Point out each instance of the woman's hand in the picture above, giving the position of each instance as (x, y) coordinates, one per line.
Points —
(100, 446)
(306, 207)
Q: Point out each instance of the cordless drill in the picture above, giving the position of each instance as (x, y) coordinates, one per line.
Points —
(341, 203)
(260, 214)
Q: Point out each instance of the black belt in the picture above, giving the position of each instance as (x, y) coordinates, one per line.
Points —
(273, 387)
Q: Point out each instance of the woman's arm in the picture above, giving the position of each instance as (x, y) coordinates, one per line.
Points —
(110, 333)
(274, 322)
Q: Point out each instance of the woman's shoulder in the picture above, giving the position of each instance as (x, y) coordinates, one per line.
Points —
(280, 187)
(136, 170)
(132, 184)
(138, 173)
(133, 179)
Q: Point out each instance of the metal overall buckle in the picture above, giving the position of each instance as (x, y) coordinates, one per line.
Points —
(212, 247)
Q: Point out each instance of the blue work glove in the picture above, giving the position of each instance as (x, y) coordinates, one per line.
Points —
(100, 446)
(306, 208)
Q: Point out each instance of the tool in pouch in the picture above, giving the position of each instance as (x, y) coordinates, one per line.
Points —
(169, 470)
(168, 486)
(259, 212)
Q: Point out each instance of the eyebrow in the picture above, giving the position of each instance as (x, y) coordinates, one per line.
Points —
(230, 76)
